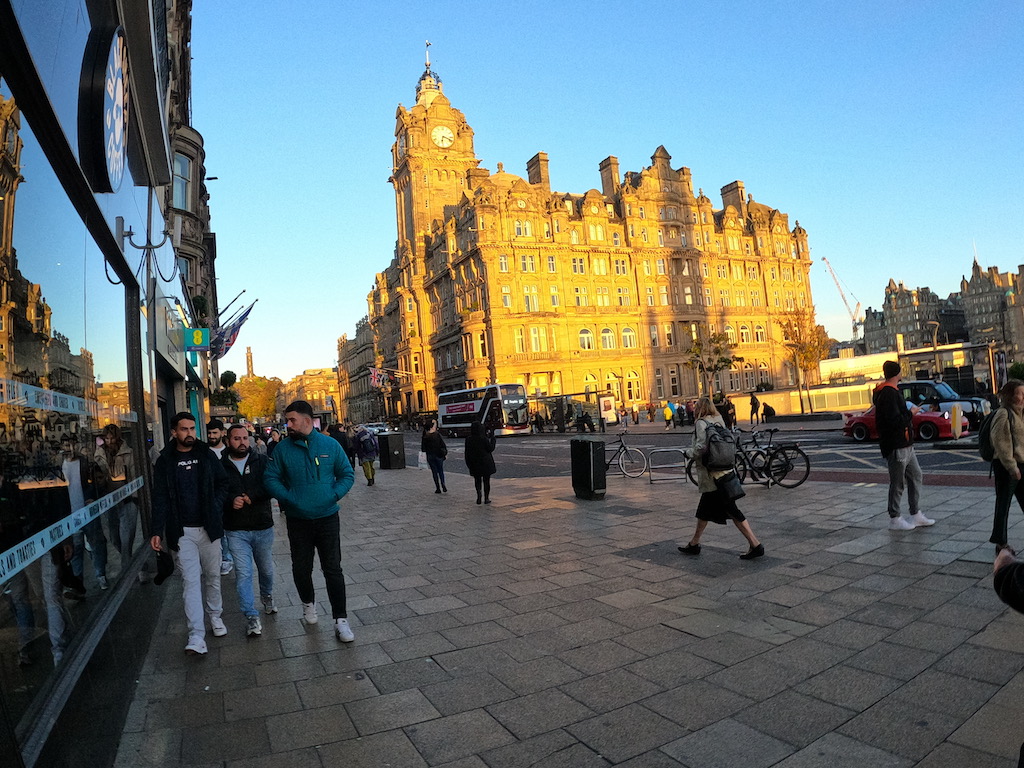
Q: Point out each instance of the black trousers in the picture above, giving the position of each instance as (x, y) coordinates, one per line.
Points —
(1007, 489)
(322, 534)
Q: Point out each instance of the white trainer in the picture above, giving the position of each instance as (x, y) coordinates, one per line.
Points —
(900, 524)
(343, 631)
(920, 521)
(309, 613)
(219, 630)
(196, 646)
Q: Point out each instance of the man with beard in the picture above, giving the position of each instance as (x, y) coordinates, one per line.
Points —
(189, 489)
(215, 439)
(248, 525)
(309, 474)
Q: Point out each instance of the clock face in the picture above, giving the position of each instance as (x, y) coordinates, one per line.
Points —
(521, 203)
(442, 136)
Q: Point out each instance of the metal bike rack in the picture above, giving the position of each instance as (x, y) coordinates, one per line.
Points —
(681, 465)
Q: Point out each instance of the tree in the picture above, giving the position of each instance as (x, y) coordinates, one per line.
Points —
(258, 397)
(711, 355)
(809, 345)
(228, 379)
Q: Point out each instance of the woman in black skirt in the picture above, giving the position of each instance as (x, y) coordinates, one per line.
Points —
(714, 505)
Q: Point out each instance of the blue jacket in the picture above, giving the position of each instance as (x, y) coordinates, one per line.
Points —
(308, 476)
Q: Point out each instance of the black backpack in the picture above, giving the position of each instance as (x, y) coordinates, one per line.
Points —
(985, 447)
(720, 451)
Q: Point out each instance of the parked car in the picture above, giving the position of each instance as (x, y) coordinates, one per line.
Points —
(928, 425)
(941, 397)
(376, 427)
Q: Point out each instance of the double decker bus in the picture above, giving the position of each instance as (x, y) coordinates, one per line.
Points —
(501, 408)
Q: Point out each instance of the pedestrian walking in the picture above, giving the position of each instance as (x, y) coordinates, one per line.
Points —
(115, 465)
(479, 453)
(894, 422)
(669, 413)
(350, 451)
(189, 489)
(308, 475)
(249, 526)
(366, 451)
(275, 438)
(1006, 432)
(715, 506)
(433, 445)
(755, 405)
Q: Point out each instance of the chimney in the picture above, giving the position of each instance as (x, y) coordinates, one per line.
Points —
(609, 175)
(734, 194)
(537, 171)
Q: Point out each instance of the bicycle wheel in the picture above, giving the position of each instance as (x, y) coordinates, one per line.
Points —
(788, 467)
(740, 467)
(691, 470)
(632, 462)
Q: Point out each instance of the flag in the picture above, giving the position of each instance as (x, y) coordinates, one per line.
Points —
(223, 337)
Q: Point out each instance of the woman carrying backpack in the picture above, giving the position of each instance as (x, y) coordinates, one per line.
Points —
(366, 451)
(1006, 433)
(714, 506)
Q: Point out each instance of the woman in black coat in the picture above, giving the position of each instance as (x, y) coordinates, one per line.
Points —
(479, 460)
(433, 445)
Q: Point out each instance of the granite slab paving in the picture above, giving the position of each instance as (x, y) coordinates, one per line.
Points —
(543, 630)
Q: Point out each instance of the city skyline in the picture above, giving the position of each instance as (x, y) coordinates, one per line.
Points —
(890, 181)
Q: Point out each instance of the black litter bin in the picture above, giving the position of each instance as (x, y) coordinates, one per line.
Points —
(392, 450)
(588, 468)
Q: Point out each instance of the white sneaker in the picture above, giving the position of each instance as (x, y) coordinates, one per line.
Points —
(343, 631)
(196, 646)
(253, 627)
(219, 630)
(920, 521)
(309, 613)
(102, 582)
(226, 566)
(900, 524)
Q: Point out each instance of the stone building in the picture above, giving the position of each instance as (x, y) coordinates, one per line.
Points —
(499, 278)
(358, 401)
(317, 386)
(906, 312)
(992, 310)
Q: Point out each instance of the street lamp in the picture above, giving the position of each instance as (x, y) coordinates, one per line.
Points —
(935, 347)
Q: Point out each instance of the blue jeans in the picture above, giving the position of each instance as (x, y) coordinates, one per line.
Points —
(246, 547)
(436, 464)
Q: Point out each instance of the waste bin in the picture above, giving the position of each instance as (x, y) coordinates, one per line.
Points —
(392, 450)
(588, 468)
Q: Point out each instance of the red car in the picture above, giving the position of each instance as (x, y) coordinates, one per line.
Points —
(928, 425)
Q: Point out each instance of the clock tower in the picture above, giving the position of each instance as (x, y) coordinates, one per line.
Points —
(433, 149)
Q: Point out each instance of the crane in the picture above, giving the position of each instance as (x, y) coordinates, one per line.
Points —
(855, 317)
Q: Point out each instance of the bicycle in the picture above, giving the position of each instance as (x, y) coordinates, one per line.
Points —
(785, 465)
(632, 462)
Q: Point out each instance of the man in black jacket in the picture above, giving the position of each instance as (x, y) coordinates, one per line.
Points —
(894, 422)
(189, 488)
(248, 525)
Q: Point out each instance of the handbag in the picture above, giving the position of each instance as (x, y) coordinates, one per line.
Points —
(422, 461)
(731, 486)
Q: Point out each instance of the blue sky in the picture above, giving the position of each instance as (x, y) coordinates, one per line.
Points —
(891, 131)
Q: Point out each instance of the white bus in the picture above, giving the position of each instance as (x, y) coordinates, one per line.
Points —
(501, 408)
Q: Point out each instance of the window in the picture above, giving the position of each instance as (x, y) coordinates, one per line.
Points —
(745, 334)
(581, 295)
(723, 271)
(620, 267)
(682, 239)
(632, 386)
(751, 272)
(670, 338)
(755, 298)
(787, 274)
(686, 268)
(673, 377)
(708, 301)
(663, 294)
(623, 294)
(483, 345)
(528, 263)
(731, 333)
(554, 296)
(182, 192)
(775, 299)
(616, 238)
(503, 263)
(741, 298)
(661, 237)
(528, 228)
(603, 299)
(547, 229)
(790, 304)
(737, 271)
(551, 264)
(586, 339)
(650, 296)
(530, 299)
(579, 266)
(759, 335)
(519, 228)
(659, 383)
(642, 214)
(538, 339)
(705, 270)
(599, 266)
(408, 305)
(660, 263)
(762, 373)
(647, 267)
(654, 335)
(735, 379)
(628, 338)
(687, 294)
(723, 294)
(774, 273)
(607, 338)
(520, 341)
(506, 296)
(749, 377)
(574, 237)
(643, 235)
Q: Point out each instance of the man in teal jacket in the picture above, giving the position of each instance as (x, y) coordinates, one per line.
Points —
(308, 474)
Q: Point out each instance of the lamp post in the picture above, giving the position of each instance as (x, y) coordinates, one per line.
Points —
(935, 348)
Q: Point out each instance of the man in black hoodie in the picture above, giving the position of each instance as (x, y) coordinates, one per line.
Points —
(894, 422)
(189, 488)
(249, 525)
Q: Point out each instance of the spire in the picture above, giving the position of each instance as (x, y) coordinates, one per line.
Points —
(429, 85)
(428, 56)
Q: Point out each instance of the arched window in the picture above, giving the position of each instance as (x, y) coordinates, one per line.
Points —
(730, 332)
(600, 232)
(628, 338)
(762, 373)
(616, 239)
(611, 384)
(574, 237)
(607, 338)
(586, 339)
(735, 378)
(745, 334)
(519, 228)
(759, 335)
(589, 382)
(632, 385)
(528, 229)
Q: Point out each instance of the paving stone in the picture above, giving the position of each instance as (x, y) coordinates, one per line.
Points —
(431, 622)
(911, 731)
(335, 689)
(728, 648)
(930, 637)
(366, 751)
(837, 751)
(526, 753)
(794, 718)
(262, 701)
(352, 657)
(979, 663)
(457, 736)
(893, 660)
(532, 676)
(464, 693)
(225, 741)
(851, 634)
(728, 744)
(290, 669)
(697, 705)
(624, 733)
(808, 655)
(427, 644)
(758, 678)
(674, 668)
(403, 675)
(610, 690)
(950, 694)
(538, 713)
(653, 759)
(189, 711)
(855, 689)
(948, 755)
(309, 728)
(298, 758)
(600, 657)
(393, 710)
(653, 640)
(476, 634)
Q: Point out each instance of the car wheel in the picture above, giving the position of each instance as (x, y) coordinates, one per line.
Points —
(860, 433)
(927, 431)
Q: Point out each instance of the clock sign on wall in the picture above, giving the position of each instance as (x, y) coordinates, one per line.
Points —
(103, 109)
(442, 136)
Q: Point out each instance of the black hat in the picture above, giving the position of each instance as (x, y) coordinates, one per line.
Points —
(164, 567)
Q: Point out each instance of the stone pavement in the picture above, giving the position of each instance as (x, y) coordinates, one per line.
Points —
(546, 631)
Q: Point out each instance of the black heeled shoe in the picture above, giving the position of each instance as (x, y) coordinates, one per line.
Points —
(690, 549)
(753, 553)
(478, 501)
